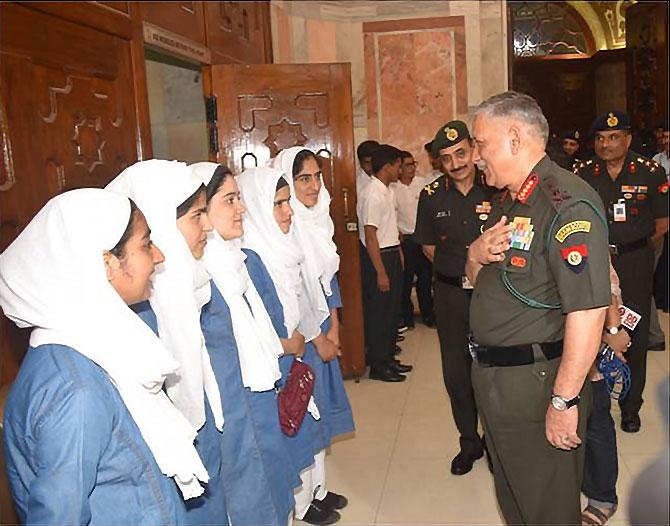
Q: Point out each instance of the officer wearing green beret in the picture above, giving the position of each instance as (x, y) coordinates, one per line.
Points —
(634, 190)
(452, 211)
(570, 142)
(537, 313)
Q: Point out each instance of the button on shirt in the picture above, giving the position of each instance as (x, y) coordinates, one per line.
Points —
(406, 201)
(376, 207)
(641, 187)
(450, 221)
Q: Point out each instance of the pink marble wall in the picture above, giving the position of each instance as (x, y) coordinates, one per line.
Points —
(416, 80)
(322, 41)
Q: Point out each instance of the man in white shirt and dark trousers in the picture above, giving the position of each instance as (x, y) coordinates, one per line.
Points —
(406, 192)
(382, 272)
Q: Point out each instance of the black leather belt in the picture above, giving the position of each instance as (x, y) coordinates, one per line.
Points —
(456, 281)
(514, 356)
(622, 248)
(394, 248)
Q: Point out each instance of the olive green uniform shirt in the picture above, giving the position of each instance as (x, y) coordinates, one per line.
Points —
(559, 257)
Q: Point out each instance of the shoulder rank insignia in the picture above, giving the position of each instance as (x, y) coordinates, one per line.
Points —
(632, 168)
(527, 188)
(430, 187)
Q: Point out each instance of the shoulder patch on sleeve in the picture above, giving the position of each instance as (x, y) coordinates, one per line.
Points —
(571, 228)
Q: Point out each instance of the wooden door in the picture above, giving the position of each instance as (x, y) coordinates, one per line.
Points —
(262, 109)
(67, 115)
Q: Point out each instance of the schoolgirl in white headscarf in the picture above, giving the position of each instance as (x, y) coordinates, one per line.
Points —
(93, 373)
(173, 200)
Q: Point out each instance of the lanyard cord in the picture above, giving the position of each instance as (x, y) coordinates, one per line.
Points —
(530, 302)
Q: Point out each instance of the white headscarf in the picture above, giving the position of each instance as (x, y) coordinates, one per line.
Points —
(281, 253)
(52, 278)
(181, 285)
(314, 229)
(258, 345)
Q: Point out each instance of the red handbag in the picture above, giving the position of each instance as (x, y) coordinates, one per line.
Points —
(294, 397)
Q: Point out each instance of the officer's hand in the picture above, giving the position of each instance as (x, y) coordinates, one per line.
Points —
(561, 428)
(619, 342)
(383, 283)
(491, 246)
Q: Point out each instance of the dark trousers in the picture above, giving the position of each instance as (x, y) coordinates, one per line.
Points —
(601, 464)
(661, 278)
(416, 264)
(366, 265)
(635, 270)
(382, 310)
(535, 483)
(452, 317)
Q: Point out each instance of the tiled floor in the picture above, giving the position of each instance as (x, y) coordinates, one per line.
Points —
(395, 469)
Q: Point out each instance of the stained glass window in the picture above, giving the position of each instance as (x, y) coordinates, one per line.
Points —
(546, 28)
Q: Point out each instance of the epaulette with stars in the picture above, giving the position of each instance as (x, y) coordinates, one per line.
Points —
(580, 165)
(650, 164)
(431, 187)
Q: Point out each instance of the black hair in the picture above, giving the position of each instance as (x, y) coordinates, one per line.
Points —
(281, 184)
(429, 147)
(384, 154)
(300, 159)
(365, 149)
(119, 249)
(404, 154)
(183, 208)
(218, 178)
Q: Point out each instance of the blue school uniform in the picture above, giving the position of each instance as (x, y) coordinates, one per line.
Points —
(258, 473)
(310, 438)
(210, 507)
(74, 453)
(332, 398)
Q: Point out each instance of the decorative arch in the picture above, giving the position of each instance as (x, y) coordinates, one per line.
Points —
(542, 29)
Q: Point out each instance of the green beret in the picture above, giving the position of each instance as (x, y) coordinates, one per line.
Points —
(451, 133)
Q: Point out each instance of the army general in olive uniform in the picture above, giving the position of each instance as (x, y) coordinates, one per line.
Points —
(537, 313)
(634, 190)
(451, 214)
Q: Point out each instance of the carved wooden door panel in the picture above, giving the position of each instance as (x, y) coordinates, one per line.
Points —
(67, 117)
(263, 109)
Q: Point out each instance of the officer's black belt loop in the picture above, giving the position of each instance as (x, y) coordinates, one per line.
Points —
(456, 281)
(515, 356)
(394, 248)
(622, 248)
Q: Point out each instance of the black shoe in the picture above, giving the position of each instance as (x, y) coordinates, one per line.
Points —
(462, 463)
(400, 367)
(332, 501)
(399, 338)
(630, 423)
(386, 375)
(429, 322)
(397, 350)
(659, 346)
(320, 516)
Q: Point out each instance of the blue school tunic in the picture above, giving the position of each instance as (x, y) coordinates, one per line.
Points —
(257, 471)
(310, 438)
(74, 453)
(336, 412)
(210, 507)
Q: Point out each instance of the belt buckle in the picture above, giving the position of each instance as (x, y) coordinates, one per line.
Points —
(472, 348)
(614, 250)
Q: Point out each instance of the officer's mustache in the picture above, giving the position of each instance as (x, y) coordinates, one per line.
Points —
(459, 169)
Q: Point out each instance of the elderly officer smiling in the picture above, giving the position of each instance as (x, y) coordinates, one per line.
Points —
(537, 313)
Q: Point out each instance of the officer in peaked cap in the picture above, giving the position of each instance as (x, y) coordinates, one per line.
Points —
(451, 213)
(634, 191)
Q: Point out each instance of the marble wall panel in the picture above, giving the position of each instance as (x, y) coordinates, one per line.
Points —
(412, 83)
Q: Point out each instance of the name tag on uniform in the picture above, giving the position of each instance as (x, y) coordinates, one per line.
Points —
(465, 283)
(443, 213)
(620, 211)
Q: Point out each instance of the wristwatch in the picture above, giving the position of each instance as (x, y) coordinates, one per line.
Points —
(562, 404)
(613, 330)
